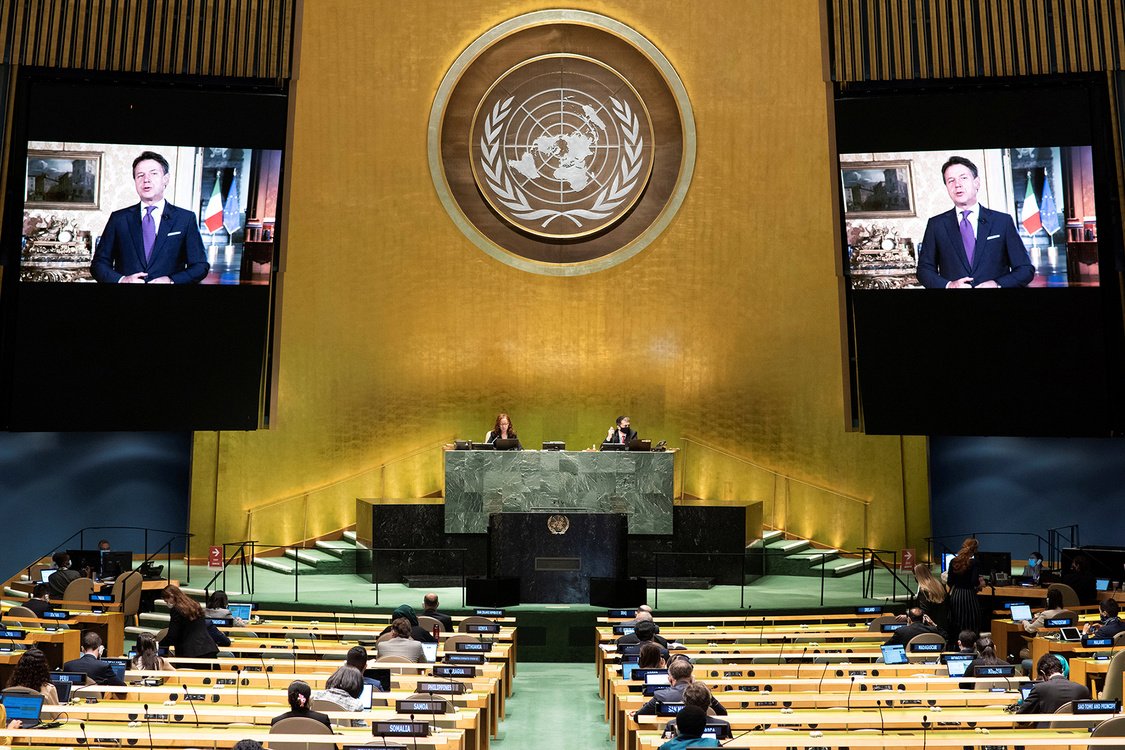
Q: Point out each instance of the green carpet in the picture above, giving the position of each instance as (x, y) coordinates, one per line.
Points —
(554, 707)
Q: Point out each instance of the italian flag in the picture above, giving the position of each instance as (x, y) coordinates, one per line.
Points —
(213, 214)
(1029, 216)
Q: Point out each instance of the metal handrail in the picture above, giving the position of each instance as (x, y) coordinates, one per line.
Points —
(81, 534)
(868, 582)
(656, 573)
(1054, 548)
(375, 567)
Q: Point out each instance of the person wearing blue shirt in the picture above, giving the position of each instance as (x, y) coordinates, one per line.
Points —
(690, 722)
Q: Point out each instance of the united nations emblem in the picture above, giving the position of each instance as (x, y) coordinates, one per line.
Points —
(561, 142)
(562, 146)
(558, 524)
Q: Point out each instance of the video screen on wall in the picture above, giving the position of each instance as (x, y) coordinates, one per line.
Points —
(1031, 218)
(981, 288)
(140, 249)
(216, 209)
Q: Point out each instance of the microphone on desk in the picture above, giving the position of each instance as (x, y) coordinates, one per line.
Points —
(293, 651)
(336, 623)
(882, 726)
(237, 687)
(188, 698)
(823, 672)
(802, 661)
(925, 729)
(148, 726)
(85, 739)
(265, 671)
(312, 644)
(736, 737)
(849, 700)
(353, 617)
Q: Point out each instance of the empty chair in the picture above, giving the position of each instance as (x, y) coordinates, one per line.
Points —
(1114, 727)
(1113, 677)
(79, 590)
(1069, 596)
(923, 655)
(463, 627)
(300, 725)
(429, 623)
(127, 593)
(450, 643)
(20, 613)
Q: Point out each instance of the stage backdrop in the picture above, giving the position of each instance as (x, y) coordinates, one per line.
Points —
(397, 333)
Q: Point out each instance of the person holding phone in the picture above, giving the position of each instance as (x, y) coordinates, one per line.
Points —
(621, 432)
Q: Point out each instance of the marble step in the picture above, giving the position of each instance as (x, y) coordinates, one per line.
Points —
(283, 565)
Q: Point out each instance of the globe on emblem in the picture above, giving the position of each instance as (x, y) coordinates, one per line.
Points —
(558, 524)
(562, 146)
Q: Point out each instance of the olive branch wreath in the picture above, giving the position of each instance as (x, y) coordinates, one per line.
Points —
(515, 200)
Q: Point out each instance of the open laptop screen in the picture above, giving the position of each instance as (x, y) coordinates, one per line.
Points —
(429, 651)
(241, 611)
(893, 653)
(1021, 612)
(26, 708)
(958, 663)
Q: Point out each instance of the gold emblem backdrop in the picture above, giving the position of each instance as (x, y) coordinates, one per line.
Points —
(397, 333)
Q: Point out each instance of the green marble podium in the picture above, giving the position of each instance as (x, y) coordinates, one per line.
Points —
(480, 483)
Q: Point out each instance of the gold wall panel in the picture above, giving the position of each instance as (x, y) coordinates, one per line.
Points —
(397, 333)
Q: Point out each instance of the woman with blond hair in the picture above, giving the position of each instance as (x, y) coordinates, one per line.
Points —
(932, 598)
(964, 609)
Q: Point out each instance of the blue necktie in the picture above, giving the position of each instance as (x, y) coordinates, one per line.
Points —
(967, 237)
(148, 232)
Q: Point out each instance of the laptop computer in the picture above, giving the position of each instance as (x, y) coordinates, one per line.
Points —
(26, 708)
(640, 445)
(429, 651)
(1021, 612)
(241, 611)
(614, 447)
(956, 664)
(1101, 584)
(893, 653)
(45, 575)
(62, 689)
(119, 667)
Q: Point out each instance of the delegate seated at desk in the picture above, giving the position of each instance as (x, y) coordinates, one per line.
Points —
(1052, 690)
(1110, 625)
(503, 430)
(621, 432)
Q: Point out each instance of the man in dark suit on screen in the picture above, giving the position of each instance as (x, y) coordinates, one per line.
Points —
(152, 242)
(971, 247)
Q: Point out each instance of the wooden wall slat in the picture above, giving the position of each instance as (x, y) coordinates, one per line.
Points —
(237, 38)
(919, 39)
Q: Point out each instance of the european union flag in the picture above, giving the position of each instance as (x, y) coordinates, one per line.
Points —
(232, 215)
(1049, 213)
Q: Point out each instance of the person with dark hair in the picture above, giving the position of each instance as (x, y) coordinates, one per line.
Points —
(401, 643)
(695, 694)
(964, 608)
(679, 677)
(967, 641)
(90, 662)
(357, 657)
(218, 607)
(61, 578)
(39, 601)
(1054, 608)
(33, 672)
(1053, 689)
(644, 630)
(151, 242)
(247, 745)
(915, 625)
(148, 658)
(300, 694)
(652, 656)
(430, 604)
(187, 627)
(1034, 567)
(971, 247)
(621, 432)
(690, 723)
(1110, 625)
(986, 656)
(417, 632)
(503, 430)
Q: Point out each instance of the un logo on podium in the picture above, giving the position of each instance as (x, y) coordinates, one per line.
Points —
(561, 142)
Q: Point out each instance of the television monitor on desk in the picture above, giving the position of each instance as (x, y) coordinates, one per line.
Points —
(993, 563)
(483, 447)
(505, 444)
(115, 562)
(81, 559)
(614, 447)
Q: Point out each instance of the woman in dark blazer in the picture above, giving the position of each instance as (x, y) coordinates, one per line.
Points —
(964, 608)
(503, 430)
(187, 630)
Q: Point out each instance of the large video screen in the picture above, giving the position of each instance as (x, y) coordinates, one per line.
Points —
(979, 218)
(980, 256)
(141, 250)
(212, 221)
